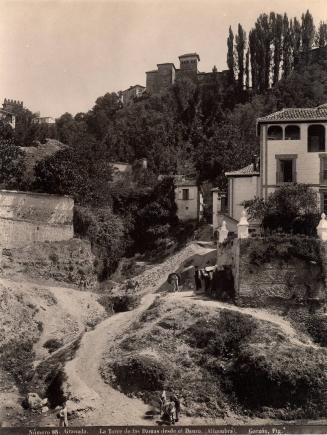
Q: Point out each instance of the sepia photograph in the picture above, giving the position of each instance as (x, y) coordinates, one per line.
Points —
(163, 230)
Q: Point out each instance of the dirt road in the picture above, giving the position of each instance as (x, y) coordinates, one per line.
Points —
(260, 314)
(89, 391)
(84, 382)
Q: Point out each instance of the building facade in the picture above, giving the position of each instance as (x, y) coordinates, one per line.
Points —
(188, 199)
(293, 150)
(130, 94)
(160, 79)
(48, 120)
(243, 185)
(8, 118)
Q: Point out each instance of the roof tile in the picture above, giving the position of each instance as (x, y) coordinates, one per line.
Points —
(247, 171)
(297, 114)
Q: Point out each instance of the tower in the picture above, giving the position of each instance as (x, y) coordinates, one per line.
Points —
(189, 64)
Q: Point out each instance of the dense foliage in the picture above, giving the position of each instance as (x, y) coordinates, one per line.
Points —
(197, 130)
(292, 208)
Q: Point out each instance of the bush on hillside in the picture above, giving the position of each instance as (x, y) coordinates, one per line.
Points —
(293, 379)
(281, 247)
(222, 335)
(291, 208)
(141, 372)
(53, 344)
(105, 231)
(119, 303)
(16, 357)
(12, 166)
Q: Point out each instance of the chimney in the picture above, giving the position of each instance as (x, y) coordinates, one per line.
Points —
(255, 162)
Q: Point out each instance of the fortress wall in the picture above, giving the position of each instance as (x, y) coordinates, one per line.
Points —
(32, 217)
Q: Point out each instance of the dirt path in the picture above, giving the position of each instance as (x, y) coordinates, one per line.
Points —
(85, 383)
(260, 314)
(96, 402)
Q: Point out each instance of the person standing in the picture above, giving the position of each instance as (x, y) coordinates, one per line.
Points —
(177, 403)
(163, 400)
(173, 280)
(197, 278)
(206, 277)
(63, 417)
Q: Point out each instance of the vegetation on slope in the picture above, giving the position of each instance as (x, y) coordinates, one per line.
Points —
(218, 361)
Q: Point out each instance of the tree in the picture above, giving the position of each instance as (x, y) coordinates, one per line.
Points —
(102, 114)
(6, 131)
(247, 69)
(287, 46)
(291, 208)
(105, 230)
(12, 166)
(60, 174)
(254, 60)
(230, 55)
(307, 34)
(321, 35)
(296, 39)
(240, 49)
(277, 31)
(156, 220)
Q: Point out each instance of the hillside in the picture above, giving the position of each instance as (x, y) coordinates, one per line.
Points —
(30, 315)
(209, 353)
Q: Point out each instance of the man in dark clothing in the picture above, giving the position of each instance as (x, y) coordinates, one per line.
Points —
(177, 403)
(197, 278)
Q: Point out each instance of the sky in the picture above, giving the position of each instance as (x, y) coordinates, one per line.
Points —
(59, 56)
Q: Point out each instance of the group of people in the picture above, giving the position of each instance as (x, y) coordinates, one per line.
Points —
(169, 408)
(204, 278)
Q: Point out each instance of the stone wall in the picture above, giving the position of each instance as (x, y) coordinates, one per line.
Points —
(34, 217)
(67, 261)
(279, 282)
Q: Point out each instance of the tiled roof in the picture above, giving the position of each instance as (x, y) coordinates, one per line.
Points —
(189, 55)
(247, 171)
(297, 114)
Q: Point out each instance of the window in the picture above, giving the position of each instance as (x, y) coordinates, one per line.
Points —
(286, 169)
(323, 202)
(323, 169)
(186, 194)
(316, 138)
(275, 132)
(292, 132)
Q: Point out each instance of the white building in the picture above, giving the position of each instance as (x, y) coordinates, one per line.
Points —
(293, 149)
(133, 92)
(189, 200)
(48, 120)
(243, 185)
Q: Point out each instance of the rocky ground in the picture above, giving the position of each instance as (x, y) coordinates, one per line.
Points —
(113, 367)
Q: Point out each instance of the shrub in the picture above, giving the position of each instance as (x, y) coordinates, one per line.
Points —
(317, 328)
(293, 377)
(141, 372)
(105, 230)
(291, 209)
(221, 336)
(17, 357)
(119, 303)
(53, 344)
(282, 247)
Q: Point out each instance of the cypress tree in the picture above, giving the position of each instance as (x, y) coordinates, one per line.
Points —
(230, 55)
(240, 49)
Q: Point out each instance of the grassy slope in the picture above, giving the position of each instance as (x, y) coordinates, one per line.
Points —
(220, 362)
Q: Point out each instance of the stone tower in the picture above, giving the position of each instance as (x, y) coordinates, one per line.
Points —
(189, 64)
